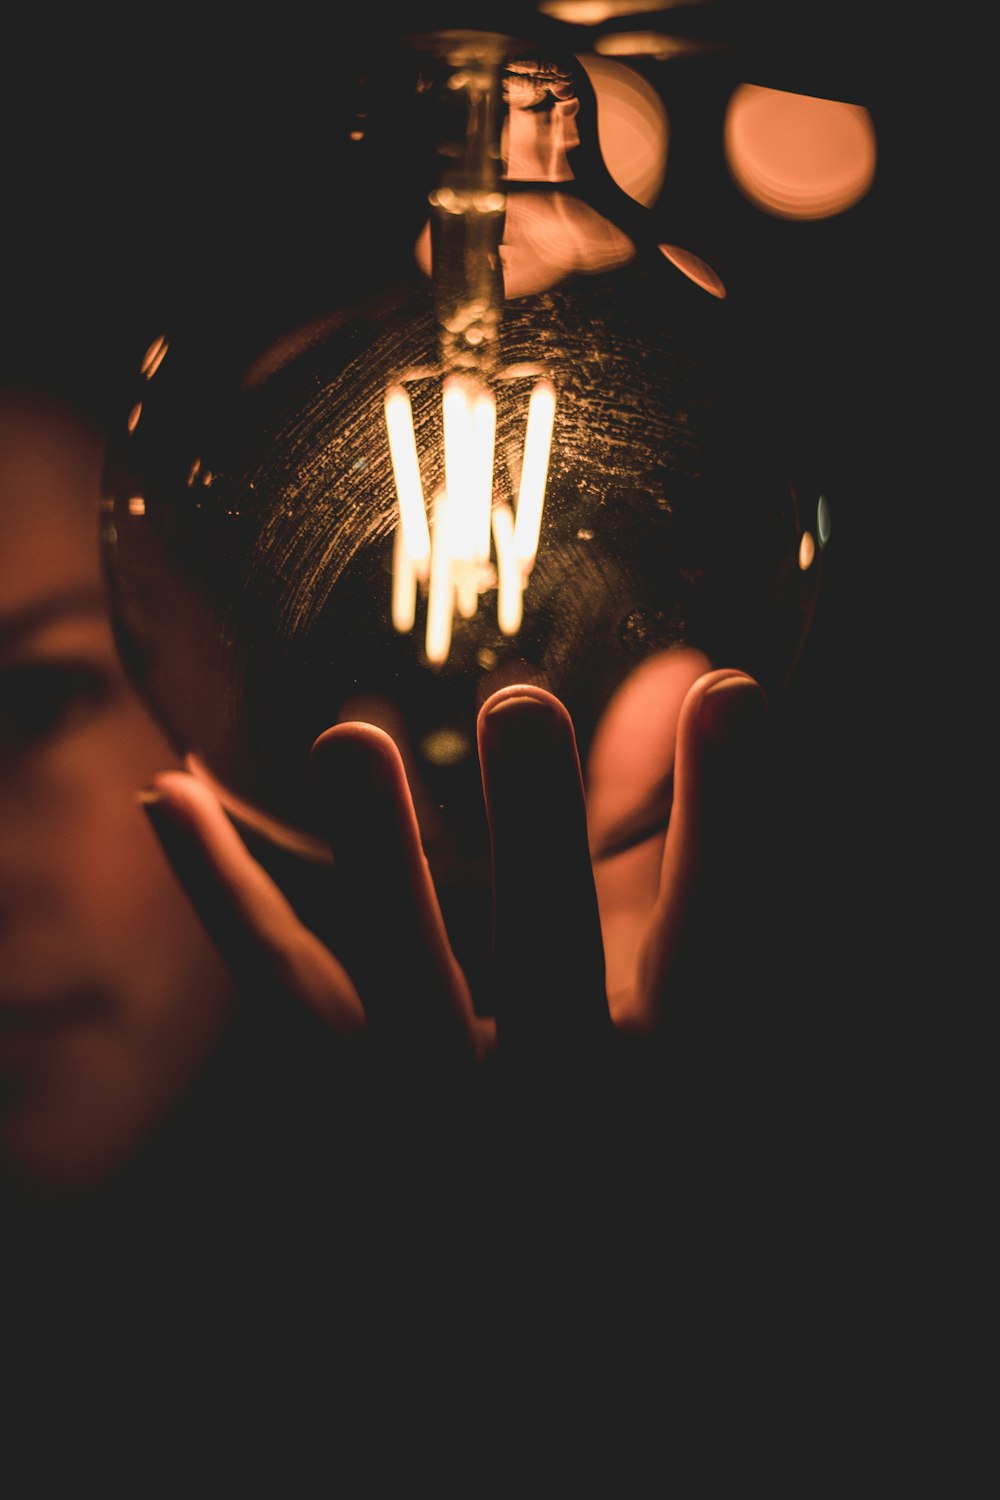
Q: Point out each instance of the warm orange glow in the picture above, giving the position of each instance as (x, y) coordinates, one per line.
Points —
(697, 269)
(798, 157)
(134, 415)
(632, 127)
(441, 589)
(404, 585)
(807, 551)
(445, 747)
(593, 12)
(136, 505)
(650, 44)
(548, 236)
(535, 147)
(153, 358)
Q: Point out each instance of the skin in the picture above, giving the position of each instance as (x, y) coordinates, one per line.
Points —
(605, 882)
(111, 994)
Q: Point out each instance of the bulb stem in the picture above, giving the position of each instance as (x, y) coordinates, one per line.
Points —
(467, 213)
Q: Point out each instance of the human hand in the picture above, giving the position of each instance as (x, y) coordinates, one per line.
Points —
(398, 955)
(639, 938)
(629, 966)
(603, 895)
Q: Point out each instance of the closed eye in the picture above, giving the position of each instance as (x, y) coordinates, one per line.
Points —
(42, 700)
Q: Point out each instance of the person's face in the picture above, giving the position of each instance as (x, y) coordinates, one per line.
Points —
(111, 996)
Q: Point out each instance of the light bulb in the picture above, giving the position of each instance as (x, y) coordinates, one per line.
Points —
(483, 430)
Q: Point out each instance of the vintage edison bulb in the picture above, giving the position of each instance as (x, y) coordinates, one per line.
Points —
(487, 431)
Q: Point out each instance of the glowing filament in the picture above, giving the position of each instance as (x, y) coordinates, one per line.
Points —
(470, 419)
(534, 472)
(441, 588)
(451, 556)
(404, 585)
(406, 472)
(510, 579)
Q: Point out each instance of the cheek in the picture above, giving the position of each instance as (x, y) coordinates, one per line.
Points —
(126, 891)
(86, 861)
(77, 776)
(71, 813)
(129, 744)
(95, 903)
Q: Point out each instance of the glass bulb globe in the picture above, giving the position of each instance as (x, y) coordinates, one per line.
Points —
(485, 429)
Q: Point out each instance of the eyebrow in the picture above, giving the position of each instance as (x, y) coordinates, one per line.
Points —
(22, 623)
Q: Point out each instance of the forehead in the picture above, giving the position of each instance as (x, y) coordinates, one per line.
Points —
(50, 477)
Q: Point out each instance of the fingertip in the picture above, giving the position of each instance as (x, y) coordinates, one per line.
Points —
(354, 736)
(185, 814)
(530, 690)
(523, 718)
(361, 793)
(163, 783)
(363, 752)
(729, 705)
(175, 793)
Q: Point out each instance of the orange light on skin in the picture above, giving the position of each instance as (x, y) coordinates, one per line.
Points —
(798, 157)
(280, 833)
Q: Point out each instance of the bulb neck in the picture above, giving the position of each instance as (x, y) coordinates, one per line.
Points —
(468, 203)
